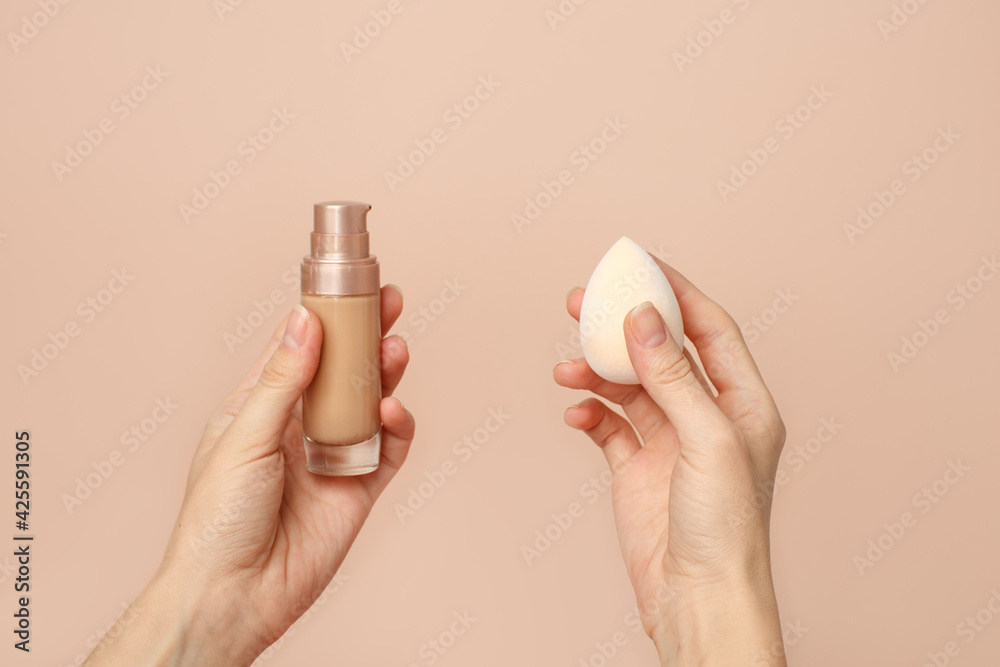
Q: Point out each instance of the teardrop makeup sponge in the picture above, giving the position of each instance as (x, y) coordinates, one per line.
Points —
(623, 279)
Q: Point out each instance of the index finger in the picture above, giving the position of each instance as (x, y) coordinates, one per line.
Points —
(717, 337)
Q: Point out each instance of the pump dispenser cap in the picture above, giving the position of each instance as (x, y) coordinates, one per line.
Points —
(339, 262)
(341, 217)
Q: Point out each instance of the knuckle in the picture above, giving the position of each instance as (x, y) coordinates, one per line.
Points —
(659, 424)
(230, 407)
(398, 349)
(726, 324)
(731, 327)
(671, 368)
(604, 430)
(631, 396)
(277, 376)
(605, 437)
(778, 429)
(769, 425)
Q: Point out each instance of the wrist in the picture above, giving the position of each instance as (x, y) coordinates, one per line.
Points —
(173, 624)
(733, 624)
(193, 618)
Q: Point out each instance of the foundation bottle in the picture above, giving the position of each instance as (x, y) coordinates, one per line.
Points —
(340, 284)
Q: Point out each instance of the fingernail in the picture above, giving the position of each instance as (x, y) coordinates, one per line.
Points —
(396, 287)
(647, 325)
(572, 290)
(295, 330)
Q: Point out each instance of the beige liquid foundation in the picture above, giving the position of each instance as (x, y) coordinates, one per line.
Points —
(340, 284)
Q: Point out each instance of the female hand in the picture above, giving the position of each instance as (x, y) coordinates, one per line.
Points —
(259, 537)
(692, 479)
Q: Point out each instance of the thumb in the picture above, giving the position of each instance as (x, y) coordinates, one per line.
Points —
(258, 426)
(668, 377)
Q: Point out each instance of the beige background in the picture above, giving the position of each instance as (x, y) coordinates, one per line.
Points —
(163, 336)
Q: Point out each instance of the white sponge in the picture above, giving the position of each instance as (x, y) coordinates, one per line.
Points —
(623, 279)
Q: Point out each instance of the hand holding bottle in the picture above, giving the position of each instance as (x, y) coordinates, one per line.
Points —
(692, 476)
(259, 537)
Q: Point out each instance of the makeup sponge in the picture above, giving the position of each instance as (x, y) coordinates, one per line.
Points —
(624, 278)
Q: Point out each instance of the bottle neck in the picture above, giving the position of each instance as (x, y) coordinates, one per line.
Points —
(339, 247)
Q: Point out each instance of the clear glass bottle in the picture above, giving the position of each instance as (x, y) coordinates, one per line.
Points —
(340, 284)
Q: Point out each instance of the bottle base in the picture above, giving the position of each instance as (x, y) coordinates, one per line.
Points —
(343, 460)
